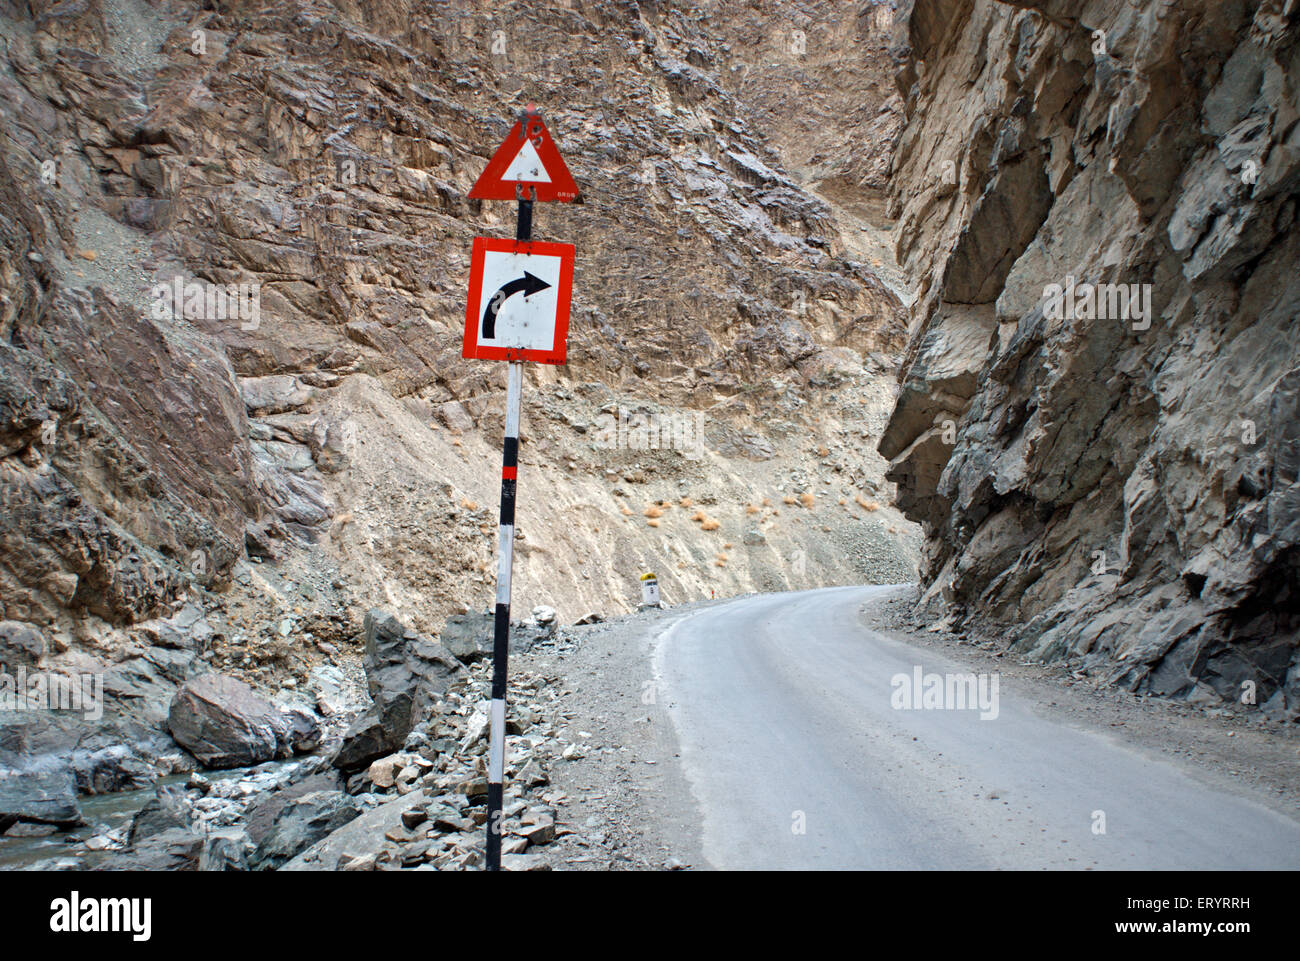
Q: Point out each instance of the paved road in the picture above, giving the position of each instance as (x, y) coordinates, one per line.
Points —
(782, 703)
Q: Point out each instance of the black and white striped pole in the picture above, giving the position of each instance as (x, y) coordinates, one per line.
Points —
(526, 168)
(501, 629)
(505, 564)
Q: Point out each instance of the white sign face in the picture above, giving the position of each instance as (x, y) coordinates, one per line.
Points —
(519, 300)
(527, 166)
(649, 592)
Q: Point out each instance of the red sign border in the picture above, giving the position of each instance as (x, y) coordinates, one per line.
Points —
(490, 186)
(470, 348)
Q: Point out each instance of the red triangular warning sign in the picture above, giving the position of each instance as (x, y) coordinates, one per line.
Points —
(527, 160)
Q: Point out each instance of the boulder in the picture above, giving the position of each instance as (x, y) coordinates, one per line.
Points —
(468, 636)
(542, 832)
(365, 740)
(165, 811)
(46, 795)
(260, 815)
(362, 838)
(303, 730)
(301, 823)
(109, 769)
(226, 849)
(383, 773)
(176, 849)
(224, 723)
(405, 671)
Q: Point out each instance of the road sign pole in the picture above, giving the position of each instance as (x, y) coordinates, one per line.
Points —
(501, 632)
(527, 161)
(524, 225)
(505, 563)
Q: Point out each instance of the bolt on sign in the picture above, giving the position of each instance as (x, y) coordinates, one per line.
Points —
(517, 310)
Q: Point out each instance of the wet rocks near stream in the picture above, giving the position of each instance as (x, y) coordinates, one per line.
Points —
(402, 784)
(115, 739)
(43, 796)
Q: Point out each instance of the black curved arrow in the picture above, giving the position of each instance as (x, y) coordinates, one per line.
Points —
(528, 284)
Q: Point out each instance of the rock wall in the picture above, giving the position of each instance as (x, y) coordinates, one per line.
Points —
(1102, 478)
(319, 154)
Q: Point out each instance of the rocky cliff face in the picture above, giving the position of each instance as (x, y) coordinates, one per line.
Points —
(1097, 423)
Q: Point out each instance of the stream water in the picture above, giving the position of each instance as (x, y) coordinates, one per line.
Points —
(102, 813)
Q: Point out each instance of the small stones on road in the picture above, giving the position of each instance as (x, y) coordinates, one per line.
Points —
(414, 817)
(524, 862)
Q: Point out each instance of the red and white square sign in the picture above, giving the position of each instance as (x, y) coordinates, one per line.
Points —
(518, 305)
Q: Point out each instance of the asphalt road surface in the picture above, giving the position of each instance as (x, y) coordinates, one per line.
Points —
(798, 758)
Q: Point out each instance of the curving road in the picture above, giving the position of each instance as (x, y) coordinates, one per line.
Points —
(782, 704)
